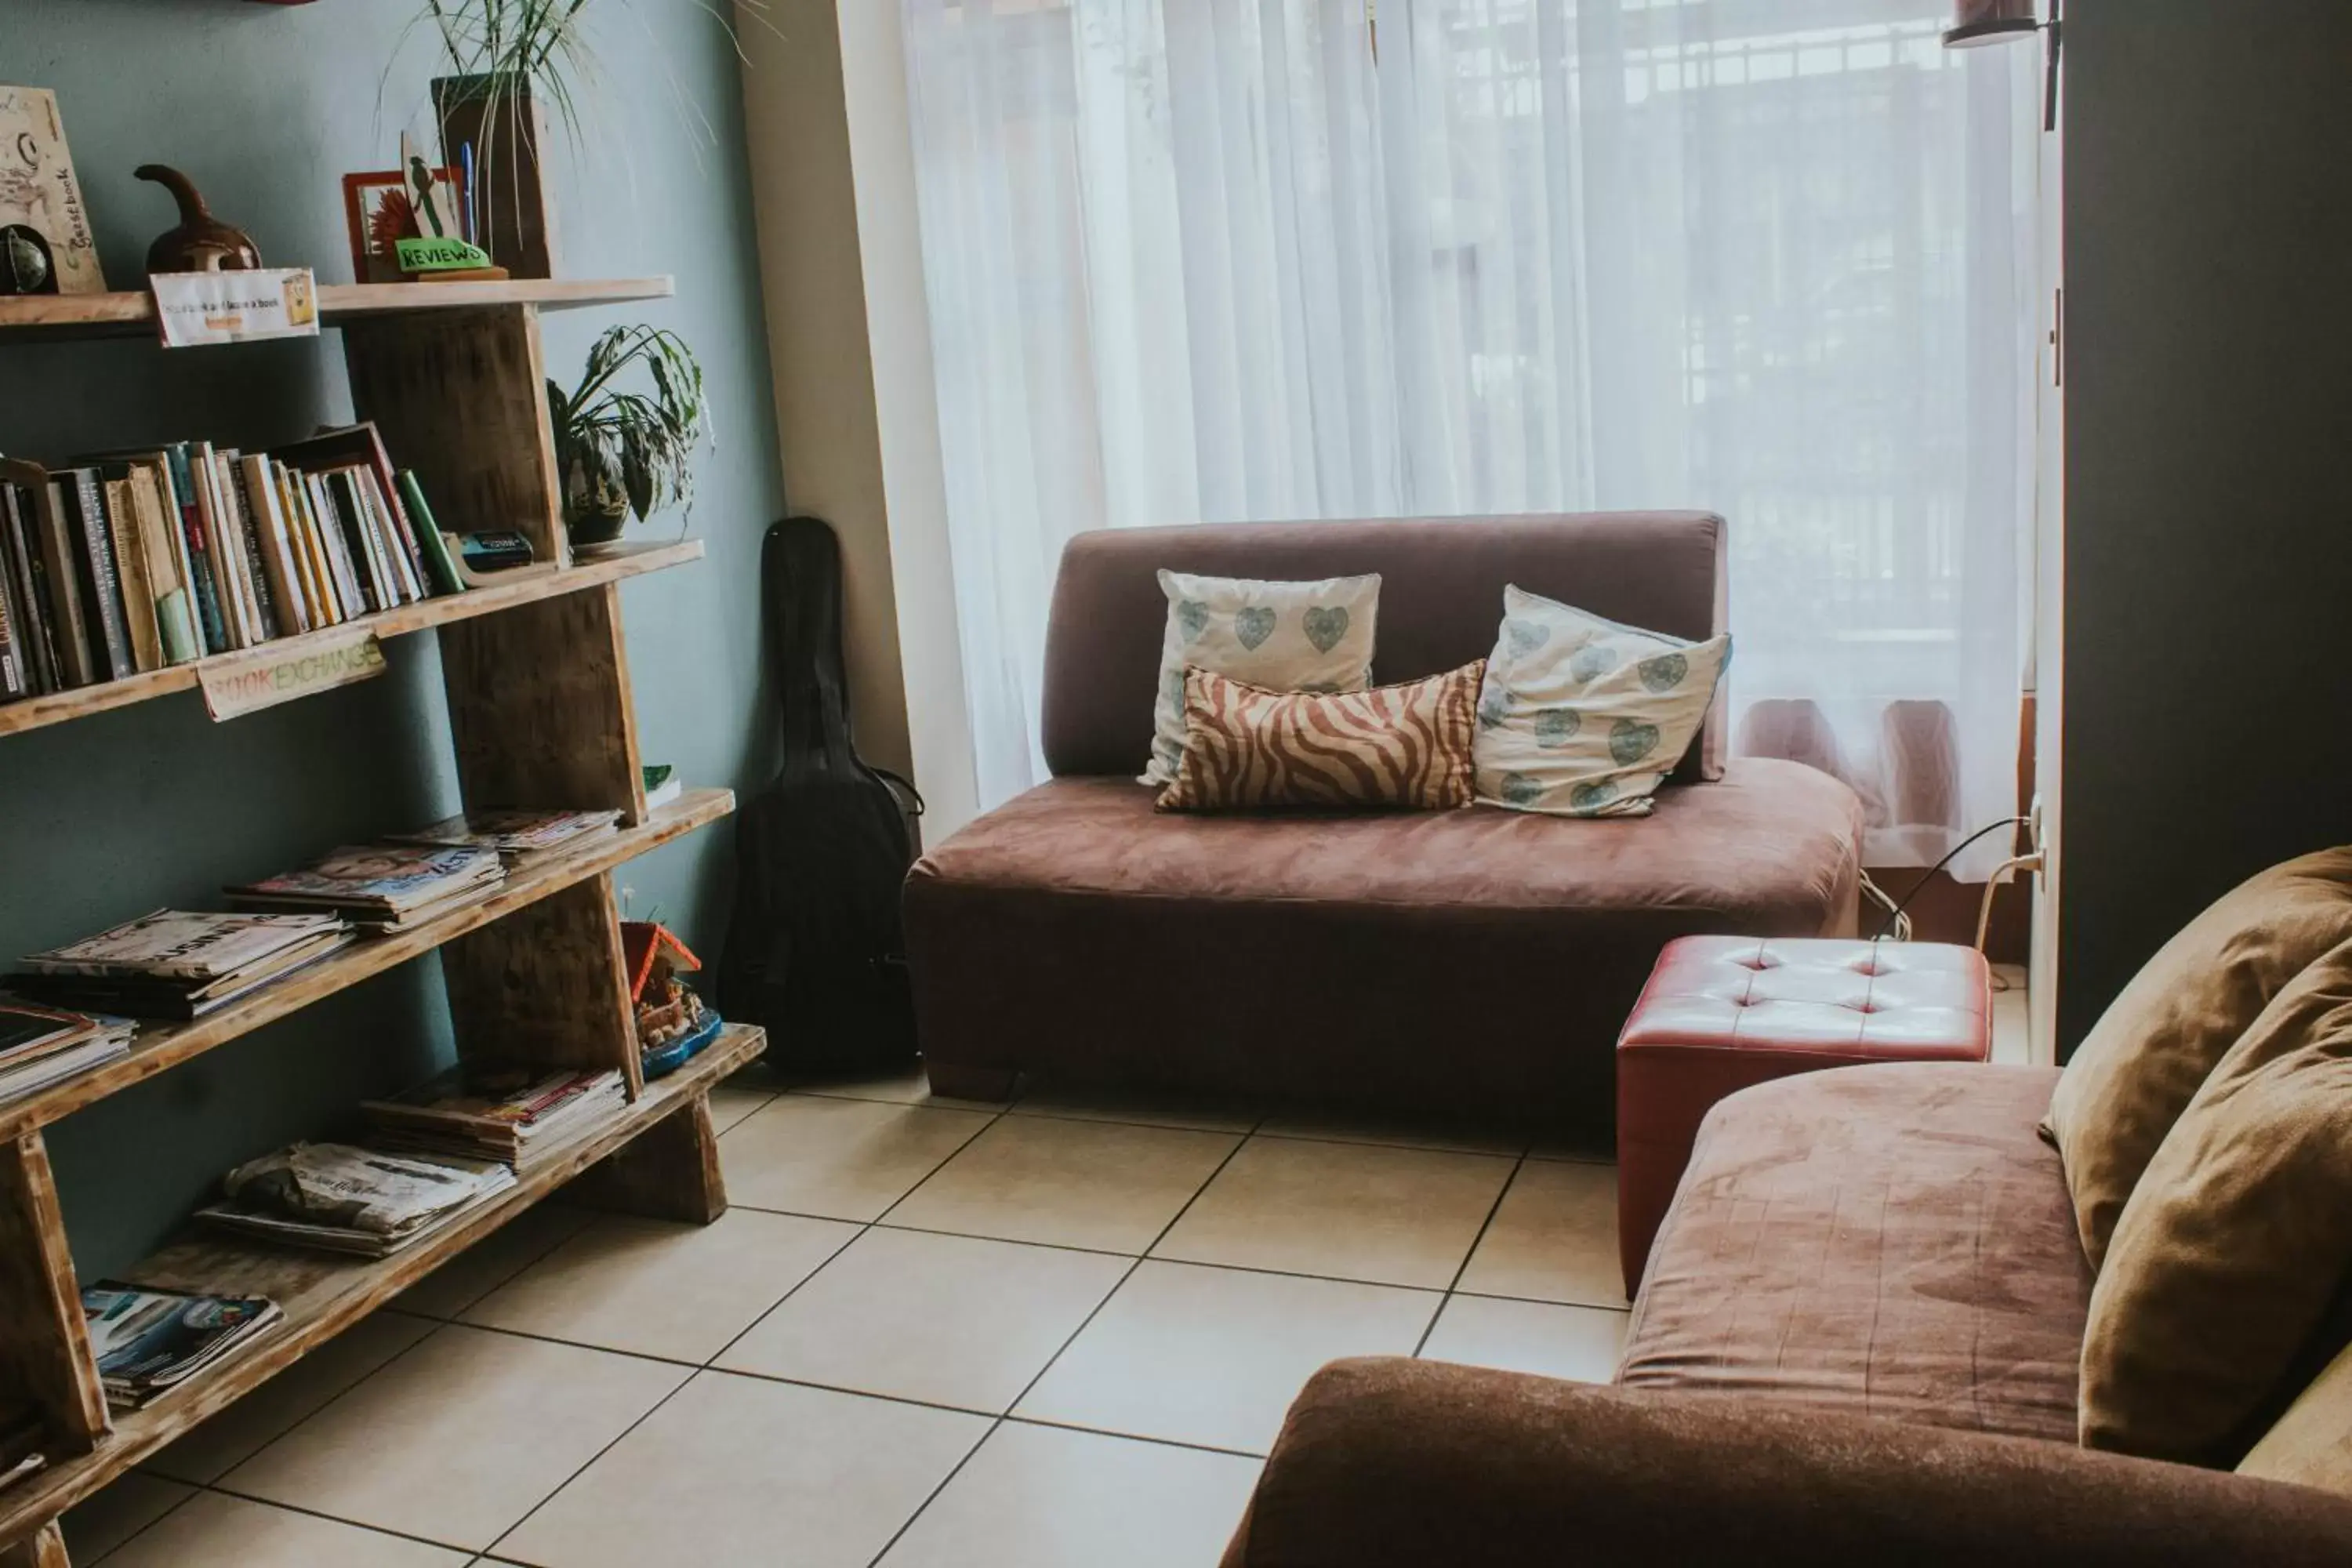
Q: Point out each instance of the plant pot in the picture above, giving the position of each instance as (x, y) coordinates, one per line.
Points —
(593, 526)
(507, 128)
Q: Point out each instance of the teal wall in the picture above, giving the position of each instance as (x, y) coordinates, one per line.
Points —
(107, 817)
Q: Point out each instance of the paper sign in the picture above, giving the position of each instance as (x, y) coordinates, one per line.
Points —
(196, 308)
(266, 676)
(438, 255)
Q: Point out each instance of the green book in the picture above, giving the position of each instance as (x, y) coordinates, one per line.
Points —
(428, 535)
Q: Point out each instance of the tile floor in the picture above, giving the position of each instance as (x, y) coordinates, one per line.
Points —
(928, 1334)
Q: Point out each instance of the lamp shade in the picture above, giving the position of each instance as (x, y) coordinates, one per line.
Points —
(1976, 22)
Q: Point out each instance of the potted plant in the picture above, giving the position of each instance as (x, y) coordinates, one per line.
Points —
(619, 452)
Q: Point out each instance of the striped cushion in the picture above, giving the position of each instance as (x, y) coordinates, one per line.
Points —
(1246, 747)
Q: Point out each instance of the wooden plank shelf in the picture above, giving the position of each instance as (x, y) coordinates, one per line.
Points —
(164, 1046)
(33, 318)
(630, 561)
(322, 1293)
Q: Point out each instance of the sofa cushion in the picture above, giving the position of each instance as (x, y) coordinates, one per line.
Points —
(2139, 1068)
(1891, 1241)
(2234, 1246)
(1480, 960)
(1246, 748)
(2311, 1444)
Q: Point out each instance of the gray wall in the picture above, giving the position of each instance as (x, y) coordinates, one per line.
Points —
(2208, 464)
(105, 818)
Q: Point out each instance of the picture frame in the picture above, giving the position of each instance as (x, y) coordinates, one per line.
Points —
(376, 212)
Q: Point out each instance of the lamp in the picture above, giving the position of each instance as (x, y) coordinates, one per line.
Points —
(1976, 23)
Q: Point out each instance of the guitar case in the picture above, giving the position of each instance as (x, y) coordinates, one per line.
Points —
(816, 950)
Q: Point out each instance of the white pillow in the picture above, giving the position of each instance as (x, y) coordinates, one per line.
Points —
(1581, 717)
(1285, 636)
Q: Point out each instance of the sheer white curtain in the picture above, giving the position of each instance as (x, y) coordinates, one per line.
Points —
(1247, 259)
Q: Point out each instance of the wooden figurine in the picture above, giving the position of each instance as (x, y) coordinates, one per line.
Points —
(201, 243)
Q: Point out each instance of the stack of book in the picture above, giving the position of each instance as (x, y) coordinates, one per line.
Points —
(132, 561)
(148, 1340)
(384, 887)
(518, 1116)
(40, 1046)
(346, 1199)
(177, 963)
(516, 834)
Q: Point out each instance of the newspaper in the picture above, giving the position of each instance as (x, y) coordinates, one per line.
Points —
(342, 1187)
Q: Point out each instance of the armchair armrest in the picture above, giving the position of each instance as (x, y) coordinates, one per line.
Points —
(1390, 1463)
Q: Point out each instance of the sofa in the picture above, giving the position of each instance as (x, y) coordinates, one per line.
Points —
(1473, 963)
(1857, 1342)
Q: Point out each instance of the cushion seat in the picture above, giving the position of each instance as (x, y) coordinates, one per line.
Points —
(1889, 1241)
(1533, 934)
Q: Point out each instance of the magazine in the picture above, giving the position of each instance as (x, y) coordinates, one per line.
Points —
(515, 833)
(348, 1199)
(28, 1032)
(147, 1340)
(511, 1114)
(380, 884)
(180, 944)
(24, 1077)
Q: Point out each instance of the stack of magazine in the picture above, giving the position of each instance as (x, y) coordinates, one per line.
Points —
(518, 1116)
(148, 1340)
(348, 1199)
(40, 1046)
(177, 963)
(515, 834)
(384, 887)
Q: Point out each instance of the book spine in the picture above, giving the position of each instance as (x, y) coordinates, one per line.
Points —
(411, 553)
(14, 677)
(330, 533)
(299, 548)
(180, 470)
(130, 570)
(356, 546)
(64, 593)
(407, 576)
(270, 619)
(285, 584)
(221, 544)
(159, 527)
(437, 549)
(102, 588)
(23, 547)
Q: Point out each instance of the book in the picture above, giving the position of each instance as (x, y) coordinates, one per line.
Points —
(517, 1115)
(48, 1051)
(363, 444)
(360, 536)
(407, 573)
(429, 537)
(39, 196)
(69, 633)
(388, 886)
(139, 618)
(28, 1033)
(269, 619)
(327, 533)
(309, 565)
(372, 1201)
(81, 508)
(157, 522)
(147, 1340)
(219, 547)
(274, 546)
(514, 833)
(15, 676)
(21, 551)
(211, 619)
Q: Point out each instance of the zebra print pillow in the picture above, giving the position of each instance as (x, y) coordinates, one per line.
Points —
(1246, 747)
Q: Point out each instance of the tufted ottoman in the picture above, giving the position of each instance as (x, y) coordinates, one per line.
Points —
(1723, 1012)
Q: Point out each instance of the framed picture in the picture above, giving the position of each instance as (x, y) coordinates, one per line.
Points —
(45, 240)
(379, 210)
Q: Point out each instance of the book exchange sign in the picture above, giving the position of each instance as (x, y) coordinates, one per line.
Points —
(269, 674)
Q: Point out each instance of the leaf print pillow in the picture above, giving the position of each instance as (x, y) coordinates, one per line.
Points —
(1582, 717)
(1282, 636)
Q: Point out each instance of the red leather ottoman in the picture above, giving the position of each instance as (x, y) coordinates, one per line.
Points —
(1722, 1013)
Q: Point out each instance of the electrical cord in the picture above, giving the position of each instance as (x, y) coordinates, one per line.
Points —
(1897, 914)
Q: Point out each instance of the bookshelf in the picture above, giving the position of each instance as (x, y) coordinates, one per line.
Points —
(535, 676)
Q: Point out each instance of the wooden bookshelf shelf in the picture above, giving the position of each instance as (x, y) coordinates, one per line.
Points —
(47, 317)
(161, 1047)
(322, 1294)
(634, 561)
(535, 673)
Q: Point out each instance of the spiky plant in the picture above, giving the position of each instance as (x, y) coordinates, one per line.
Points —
(622, 451)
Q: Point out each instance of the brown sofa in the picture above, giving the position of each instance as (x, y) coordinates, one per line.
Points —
(1857, 1343)
(1476, 962)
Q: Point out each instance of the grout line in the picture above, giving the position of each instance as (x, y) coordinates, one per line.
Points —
(194, 1487)
(1463, 1267)
(1026, 1388)
(337, 1519)
(1133, 1437)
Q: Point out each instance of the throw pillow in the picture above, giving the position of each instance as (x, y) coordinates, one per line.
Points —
(1285, 636)
(1582, 717)
(2226, 1258)
(2311, 1444)
(2138, 1070)
(1245, 747)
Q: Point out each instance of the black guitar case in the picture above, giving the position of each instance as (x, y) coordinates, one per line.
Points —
(816, 951)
